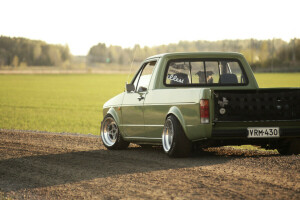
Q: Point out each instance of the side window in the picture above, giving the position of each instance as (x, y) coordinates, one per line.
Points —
(144, 76)
(135, 83)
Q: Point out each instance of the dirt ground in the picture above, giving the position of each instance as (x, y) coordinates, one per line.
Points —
(66, 166)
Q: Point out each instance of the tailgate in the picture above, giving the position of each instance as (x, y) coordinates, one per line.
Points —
(257, 105)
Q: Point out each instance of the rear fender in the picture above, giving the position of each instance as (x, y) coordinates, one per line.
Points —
(174, 110)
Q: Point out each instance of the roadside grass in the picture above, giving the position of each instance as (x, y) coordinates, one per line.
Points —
(73, 103)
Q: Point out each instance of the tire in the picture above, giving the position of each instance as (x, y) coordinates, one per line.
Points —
(289, 147)
(111, 136)
(174, 141)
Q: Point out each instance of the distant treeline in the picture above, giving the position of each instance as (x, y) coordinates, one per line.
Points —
(259, 53)
(25, 52)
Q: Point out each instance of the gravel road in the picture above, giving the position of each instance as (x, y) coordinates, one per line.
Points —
(66, 166)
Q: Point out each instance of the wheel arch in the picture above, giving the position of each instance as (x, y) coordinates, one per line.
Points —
(180, 145)
(110, 133)
(111, 111)
(174, 110)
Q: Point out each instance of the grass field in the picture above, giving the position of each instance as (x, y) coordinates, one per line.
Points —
(73, 103)
(278, 80)
(56, 103)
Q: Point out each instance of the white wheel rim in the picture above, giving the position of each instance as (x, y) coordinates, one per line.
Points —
(109, 132)
(168, 135)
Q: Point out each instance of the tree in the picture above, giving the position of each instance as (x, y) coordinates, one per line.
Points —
(37, 51)
(15, 61)
(54, 56)
(264, 53)
(31, 52)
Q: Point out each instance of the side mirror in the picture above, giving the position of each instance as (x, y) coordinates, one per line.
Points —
(130, 87)
(142, 89)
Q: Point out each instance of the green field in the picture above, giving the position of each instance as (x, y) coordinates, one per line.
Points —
(278, 80)
(56, 103)
(73, 103)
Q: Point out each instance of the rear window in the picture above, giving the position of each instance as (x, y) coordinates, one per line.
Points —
(204, 72)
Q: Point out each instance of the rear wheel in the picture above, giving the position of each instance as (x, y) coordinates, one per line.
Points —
(289, 147)
(174, 140)
(110, 134)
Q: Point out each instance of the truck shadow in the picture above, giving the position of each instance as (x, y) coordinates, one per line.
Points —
(55, 169)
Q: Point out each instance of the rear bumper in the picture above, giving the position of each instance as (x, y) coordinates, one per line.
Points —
(243, 133)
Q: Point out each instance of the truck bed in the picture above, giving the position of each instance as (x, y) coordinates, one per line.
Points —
(257, 105)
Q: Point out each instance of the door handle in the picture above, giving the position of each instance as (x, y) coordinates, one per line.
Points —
(140, 98)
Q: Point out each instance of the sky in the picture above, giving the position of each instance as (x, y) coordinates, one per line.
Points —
(80, 24)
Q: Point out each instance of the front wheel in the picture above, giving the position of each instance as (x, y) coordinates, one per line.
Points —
(174, 140)
(110, 134)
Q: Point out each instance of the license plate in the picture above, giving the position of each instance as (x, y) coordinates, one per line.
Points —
(263, 132)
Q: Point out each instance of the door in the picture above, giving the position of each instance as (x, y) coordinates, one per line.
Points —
(132, 107)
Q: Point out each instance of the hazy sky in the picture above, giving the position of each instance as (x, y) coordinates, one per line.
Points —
(84, 23)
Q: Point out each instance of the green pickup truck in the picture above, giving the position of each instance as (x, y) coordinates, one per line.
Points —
(187, 100)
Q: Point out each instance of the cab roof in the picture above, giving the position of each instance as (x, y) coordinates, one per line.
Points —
(198, 55)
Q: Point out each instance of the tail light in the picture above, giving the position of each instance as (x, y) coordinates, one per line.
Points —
(204, 111)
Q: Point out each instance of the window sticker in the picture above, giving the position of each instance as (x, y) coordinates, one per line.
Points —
(173, 77)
